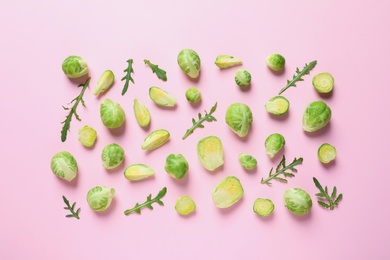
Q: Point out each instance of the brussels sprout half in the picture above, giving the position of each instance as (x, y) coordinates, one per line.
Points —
(99, 198)
(112, 114)
(326, 153)
(112, 156)
(189, 62)
(226, 61)
(64, 166)
(138, 172)
(105, 82)
(210, 152)
(323, 82)
(185, 205)
(227, 192)
(176, 166)
(297, 201)
(74, 67)
(263, 207)
(161, 97)
(87, 136)
(273, 144)
(155, 139)
(239, 118)
(277, 105)
(275, 62)
(141, 113)
(317, 115)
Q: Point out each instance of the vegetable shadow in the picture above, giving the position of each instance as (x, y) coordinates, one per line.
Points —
(277, 73)
(191, 215)
(118, 131)
(283, 117)
(109, 210)
(243, 139)
(226, 211)
(72, 183)
(197, 104)
(120, 168)
(268, 218)
(181, 182)
(326, 95)
(329, 165)
(303, 218)
(246, 88)
(219, 169)
(253, 171)
(80, 80)
(167, 108)
(195, 80)
(320, 132)
(278, 157)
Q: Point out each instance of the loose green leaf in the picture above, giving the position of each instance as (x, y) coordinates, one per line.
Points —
(74, 214)
(72, 110)
(148, 203)
(298, 76)
(207, 117)
(161, 74)
(324, 195)
(281, 169)
(128, 77)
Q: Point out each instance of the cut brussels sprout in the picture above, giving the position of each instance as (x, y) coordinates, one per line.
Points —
(112, 114)
(210, 152)
(112, 156)
(64, 166)
(161, 98)
(263, 207)
(155, 139)
(297, 201)
(247, 161)
(87, 136)
(193, 95)
(326, 153)
(323, 82)
(227, 192)
(239, 118)
(99, 198)
(138, 172)
(275, 62)
(243, 78)
(142, 114)
(226, 61)
(176, 166)
(75, 67)
(105, 82)
(185, 205)
(277, 105)
(189, 62)
(273, 144)
(317, 115)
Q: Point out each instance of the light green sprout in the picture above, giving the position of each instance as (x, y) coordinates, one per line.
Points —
(275, 62)
(138, 172)
(105, 82)
(243, 78)
(75, 67)
(99, 198)
(277, 105)
(273, 144)
(226, 61)
(112, 156)
(142, 114)
(323, 82)
(155, 139)
(193, 95)
(297, 201)
(239, 118)
(112, 114)
(176, 166)
(326, 153)
(263, 207)
(87, 136)
(161, 97)
(64, 166)
(247, 161)
(317, 115)
(210, 152)
(185, 205)
(227, 192)
(189, 62)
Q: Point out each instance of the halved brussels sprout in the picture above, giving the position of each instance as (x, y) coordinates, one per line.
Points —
(210, 152)
(239, 118)
(112, 114)
(161, 97)
(74, 67)
(138, 172)
(323, 82)
(193, 95)
(227, 61)
(227, 192)
(87, 136)
(275, 62)
(326, 153)
(263, 207)
(99, 198)
(155, 139)
(273, 144)
(64, 166)
(297, 201)
(176, 166)
(243, 78)
(112, 156)
(142, 114)
(277, 105)
(247, 161)
(317, 115)
(185, 205)
(105, 82)
(189, 62)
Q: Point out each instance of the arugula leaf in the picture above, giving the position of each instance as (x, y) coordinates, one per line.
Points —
(72, 110)
(74, 214)
(148, 203)
(128, 77)
(207, 117)
(161, 74)
(324, 195)
(298, 76)
(282, 169)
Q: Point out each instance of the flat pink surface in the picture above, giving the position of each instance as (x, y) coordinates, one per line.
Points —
(348, 39)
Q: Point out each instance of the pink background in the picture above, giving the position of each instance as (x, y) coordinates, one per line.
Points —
(349, 39)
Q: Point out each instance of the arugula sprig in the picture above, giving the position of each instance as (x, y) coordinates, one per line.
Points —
(282, 169)
(332, 199)
(161, 74)
(72, 110)
(128, 77)
(74, 214)
(207, 117)
(148, 203)
(298, 76)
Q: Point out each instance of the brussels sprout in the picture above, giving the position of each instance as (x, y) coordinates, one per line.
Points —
(189, 62)
(326, 153)
(99, 198)
(64, 165)
(243, 78)
(155, 139)
(105, 82)
(87, 136)
(263, 207)
(323, 82)
(74, 67)
(227, 192)
(210, 152)
(185, 205)
(112, 156)
(142, 114)
(138, 172)
(247, 161)
(273, 144)
(112, 114)
(193, 95)
(277, 105)
(317, 115)
(297, 201)
(161, 98)
(275, 62)
(226, 61)
(239, 118)
(176, 166)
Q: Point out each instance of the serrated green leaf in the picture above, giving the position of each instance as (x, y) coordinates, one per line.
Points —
(161, 74)
(70, 208)
(321, 195)
(148, 203)
(323, 204)
(334, 192)
(298, 76)
(198, 123)
(127, 78)
(69, 216)
(340, 197)
(281, 169)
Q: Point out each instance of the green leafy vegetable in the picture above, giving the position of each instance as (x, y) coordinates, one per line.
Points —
(72, 111)
(207, 117)
(128, 77)
(332, 199)
(148, 203)
(298, 76)
(75, 214)
(282, 169)
(161, 74)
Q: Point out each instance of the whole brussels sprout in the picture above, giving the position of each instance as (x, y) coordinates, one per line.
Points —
(297, 201)
(87, 136)
(112, 114)
(99, 198)
(193, 95)
(243, 78)
(275, 62)
(189, 62)
(239, 118)
(74, 67)
(176, 166)
(64, 166)
(210, 152)
(317, 115)
(273, 144)
(112, 156)
(227, 192)
(247, 161)
(185, 205)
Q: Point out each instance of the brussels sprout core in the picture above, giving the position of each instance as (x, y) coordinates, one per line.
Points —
(243, 78)
(137, 172)
(263, 207)
(273, 144)
(193, 95)
(227, 192)
(112, 114)
(87, 136)
(239, 118)
(210, 152)
(185, 205)
(161, 97)
(326, 153)
(112, 156)
(297, 201)
(176, 166)
(276, 62)
(277, 105)
(247, 161)
(323, 82)
(189, 62)
(99, 198)
(317, 115)
(74, 67)
(64, 166)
